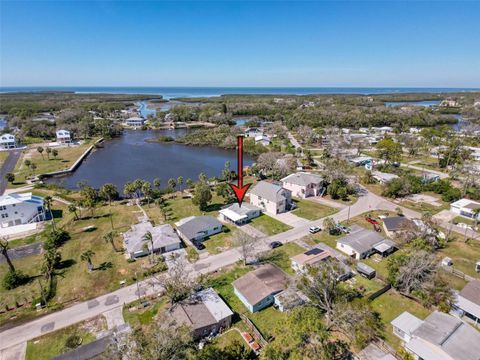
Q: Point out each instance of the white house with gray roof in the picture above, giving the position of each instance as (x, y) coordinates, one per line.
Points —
(164, 237)
(7, 141)
(198, 228)
(19, 209)
(361, 243)
(239, 215)
(468, 300)
(271, 198)
(439, 337)
(63, 137)
(303, 184)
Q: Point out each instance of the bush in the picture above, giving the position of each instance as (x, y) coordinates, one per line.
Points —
(73, 342)
(14, 279)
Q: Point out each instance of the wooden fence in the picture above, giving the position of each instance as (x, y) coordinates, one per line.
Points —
(256, 333)
(379, 292)
(458, 273)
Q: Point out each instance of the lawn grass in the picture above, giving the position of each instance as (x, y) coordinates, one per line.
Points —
(135, 315)
(364, 285)
(311, 210)
(269, 225)
(461, 219)
(323, 237)
(220, 242)
(390, 305)
(228, 338)
(53, 344)
(281, 256)
(464, 255)
(76, 283)
(3, 157)
(65, 159)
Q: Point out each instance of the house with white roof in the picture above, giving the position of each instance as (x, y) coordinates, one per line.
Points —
(468, 300)
(439, 337)
(7, 141)
(466, 208)
(204, 313)
(270, 197)
(63, 137)
(253, 132)
(382, 177)
(262, 140)
(240, 215)
(19, 209)
(303, 184)
(135, 121)
(164, 238)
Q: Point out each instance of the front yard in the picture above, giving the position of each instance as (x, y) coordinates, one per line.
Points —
(310, 210)
(269, 225)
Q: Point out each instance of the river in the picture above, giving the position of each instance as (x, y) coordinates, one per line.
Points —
(130, 157)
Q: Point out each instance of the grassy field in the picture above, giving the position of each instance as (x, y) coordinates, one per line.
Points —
(281, 256)
(3, 157)
(75, 282)
(135, 315)
(269, 225)
(311, 210)
(66, 158)
(53, 344)
(464, 255)
(220, 242)
(461, 219)
(389, 306)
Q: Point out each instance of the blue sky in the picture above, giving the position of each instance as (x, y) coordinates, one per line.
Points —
(227, 43)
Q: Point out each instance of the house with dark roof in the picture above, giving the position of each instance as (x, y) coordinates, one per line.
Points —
(205, 313)
(361, 243)
(271, 198)
(303, 184)
(468, 300)
(198, 228)
(439, 337)
(395, 224)
(312, 257)
(256, 289)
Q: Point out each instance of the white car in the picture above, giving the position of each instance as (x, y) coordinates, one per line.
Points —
(314, 229)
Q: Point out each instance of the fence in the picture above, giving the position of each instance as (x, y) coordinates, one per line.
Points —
(458, 273)
(379, 292)
(256, 333)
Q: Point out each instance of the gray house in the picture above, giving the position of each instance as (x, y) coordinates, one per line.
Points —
(198, 228)
(164, 239)
(439, 337)
(361, 243)
(468, 300)
(271, 198)
(239, 215)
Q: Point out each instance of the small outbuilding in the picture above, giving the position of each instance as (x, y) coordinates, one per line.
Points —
(365, 270)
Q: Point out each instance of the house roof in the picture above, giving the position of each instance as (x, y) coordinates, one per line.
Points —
(465, 203)
(384, 176)
(135, 118)
(360, 239)
(63, 133)
(471, 291)
(16, 198)
(395, 223)
(373, 352)
(450, 335)
(311, 257)
(193, 226)
(406, 322)
(260, 283)
(163, 235)
(364, 268)
(269, 191)
(7, 137)
(302, 179)
(236, 212)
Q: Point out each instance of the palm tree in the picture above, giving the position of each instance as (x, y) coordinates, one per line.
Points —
(4, 245)
(156, 183)
(172, 184)
(180, 181)
(40, 150)
(110, 238)
(148, 238)
(162, 205)
(109, 192)
(33, 166)
(55, 153)
(87, 256)
(48, 204)
(48, 151)
(72, 208)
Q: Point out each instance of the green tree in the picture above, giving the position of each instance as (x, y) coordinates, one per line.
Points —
(48, 201)
(203, 195)
(55, 153)
(40, 150)
(72, 208)
(10, 177)
(4, 246)
(148, 238)
(109, 192)
(172, 184)
(109, 238)
(156, 183)
(87, 257)
(389, 150)
(48, 151)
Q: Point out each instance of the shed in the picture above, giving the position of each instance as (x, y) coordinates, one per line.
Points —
(365, 270)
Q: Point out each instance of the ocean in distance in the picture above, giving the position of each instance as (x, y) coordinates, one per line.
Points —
(174, 92)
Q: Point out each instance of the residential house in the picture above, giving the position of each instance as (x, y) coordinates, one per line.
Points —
(7, 141)
(262, 140)
(361, 243)
(63, 137)
(239, 215)
(468, 300)
(164, 237)
(374, 352)
(312, 257)
(439, 337)
(428, 177)
(382, 177)
(135, 121)
(303, 184)
(205, 313)
(198, 228)
(361, 160)
(270, 197)
(396, 224)
(256, 289)
(253, 132)
(289, 299)
(18, 209)
(466, 208)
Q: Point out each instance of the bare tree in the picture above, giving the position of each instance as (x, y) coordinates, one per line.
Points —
(413, 272)
(4, 246)
(246, 244)
(179, 282)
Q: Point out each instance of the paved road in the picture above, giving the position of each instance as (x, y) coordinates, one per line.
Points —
(8, 166)
(83, 311)
(442, 175)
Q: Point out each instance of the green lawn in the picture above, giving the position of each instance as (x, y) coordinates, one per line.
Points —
(461, 219)
(389, 306)
(229, 337)
(75, 282)
(65, 159)
(135, 315)
(364, 285)
(323, 237)
(53, 344)
(3, 157)
(269, 225)
(281, 256)
(220, 242)
(464, 255)
(311, 210)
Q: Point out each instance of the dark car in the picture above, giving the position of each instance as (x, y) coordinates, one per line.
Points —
(275, 244)
(199, 246)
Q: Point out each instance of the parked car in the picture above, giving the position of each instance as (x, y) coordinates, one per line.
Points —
(343, 228)
(275, 244)
(199, 246)
(314, 229)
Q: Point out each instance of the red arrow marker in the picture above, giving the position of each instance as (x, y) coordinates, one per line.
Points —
(240, 189)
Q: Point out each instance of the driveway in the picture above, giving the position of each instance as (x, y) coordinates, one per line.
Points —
(251, 231)
(8, 166)
(289, 219)
(327, 202)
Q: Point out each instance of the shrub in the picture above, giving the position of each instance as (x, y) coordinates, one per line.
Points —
(14, 279)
